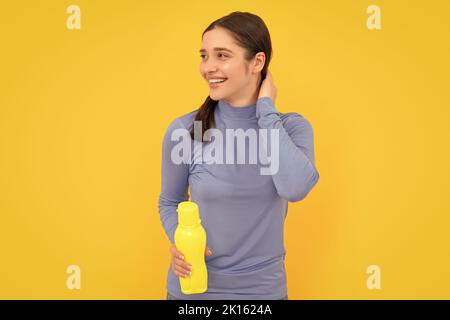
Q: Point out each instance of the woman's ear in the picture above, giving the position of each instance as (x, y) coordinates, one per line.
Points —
(259, 62)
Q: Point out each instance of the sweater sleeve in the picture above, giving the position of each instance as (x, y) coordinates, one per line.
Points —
(297, 173)
(174, 181)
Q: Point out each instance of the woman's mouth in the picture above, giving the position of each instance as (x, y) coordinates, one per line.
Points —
(216, 83)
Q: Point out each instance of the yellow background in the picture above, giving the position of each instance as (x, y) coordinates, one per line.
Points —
(83, 113)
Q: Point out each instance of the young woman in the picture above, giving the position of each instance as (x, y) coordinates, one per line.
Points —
(242, 207)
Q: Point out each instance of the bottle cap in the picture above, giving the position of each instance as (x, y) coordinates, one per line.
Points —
(188, 214)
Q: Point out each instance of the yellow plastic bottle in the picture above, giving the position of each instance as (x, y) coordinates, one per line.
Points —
(190, 239)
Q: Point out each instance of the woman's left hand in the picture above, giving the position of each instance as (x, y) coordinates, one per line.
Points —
(268, 88)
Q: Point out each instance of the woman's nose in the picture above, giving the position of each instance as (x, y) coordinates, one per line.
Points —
(210, 66)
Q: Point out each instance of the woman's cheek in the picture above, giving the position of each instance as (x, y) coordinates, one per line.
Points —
(227, 69)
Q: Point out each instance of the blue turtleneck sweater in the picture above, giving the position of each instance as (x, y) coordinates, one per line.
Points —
(242, 210)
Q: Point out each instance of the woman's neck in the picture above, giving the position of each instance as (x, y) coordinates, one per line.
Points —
(245, 100)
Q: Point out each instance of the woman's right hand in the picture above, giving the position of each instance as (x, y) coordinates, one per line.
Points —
(179, 266)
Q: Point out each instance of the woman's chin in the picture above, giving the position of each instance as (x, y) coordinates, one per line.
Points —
(215, 96)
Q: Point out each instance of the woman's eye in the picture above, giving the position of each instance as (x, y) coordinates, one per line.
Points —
(220, 55)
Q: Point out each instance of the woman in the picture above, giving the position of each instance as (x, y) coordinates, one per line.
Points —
(242, 207)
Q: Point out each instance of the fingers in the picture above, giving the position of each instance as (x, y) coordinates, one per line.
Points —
(180, 270)
(176, 253)
(179, 266)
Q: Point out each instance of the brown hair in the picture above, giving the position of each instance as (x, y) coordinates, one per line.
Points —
(251, 33)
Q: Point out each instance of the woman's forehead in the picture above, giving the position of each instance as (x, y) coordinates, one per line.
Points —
(218, 39)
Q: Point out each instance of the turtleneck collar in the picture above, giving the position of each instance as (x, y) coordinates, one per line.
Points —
(244, 112)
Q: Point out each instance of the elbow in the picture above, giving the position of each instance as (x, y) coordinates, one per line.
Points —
(299, 190)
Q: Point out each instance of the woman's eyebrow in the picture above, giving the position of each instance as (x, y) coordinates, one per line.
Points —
(218, 49)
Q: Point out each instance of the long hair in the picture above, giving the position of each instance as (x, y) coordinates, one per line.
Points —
(251, 33)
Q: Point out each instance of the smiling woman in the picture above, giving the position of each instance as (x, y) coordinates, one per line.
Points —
(242, 204)
(237, 48)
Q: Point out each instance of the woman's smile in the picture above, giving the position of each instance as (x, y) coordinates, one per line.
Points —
(216, 83)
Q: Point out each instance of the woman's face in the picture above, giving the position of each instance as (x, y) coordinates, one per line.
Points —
(222, 58)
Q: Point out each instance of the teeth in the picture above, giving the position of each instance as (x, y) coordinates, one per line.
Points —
(216, 80)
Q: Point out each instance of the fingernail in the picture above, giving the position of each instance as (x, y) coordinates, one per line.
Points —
(190, 267)
(182, 257)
